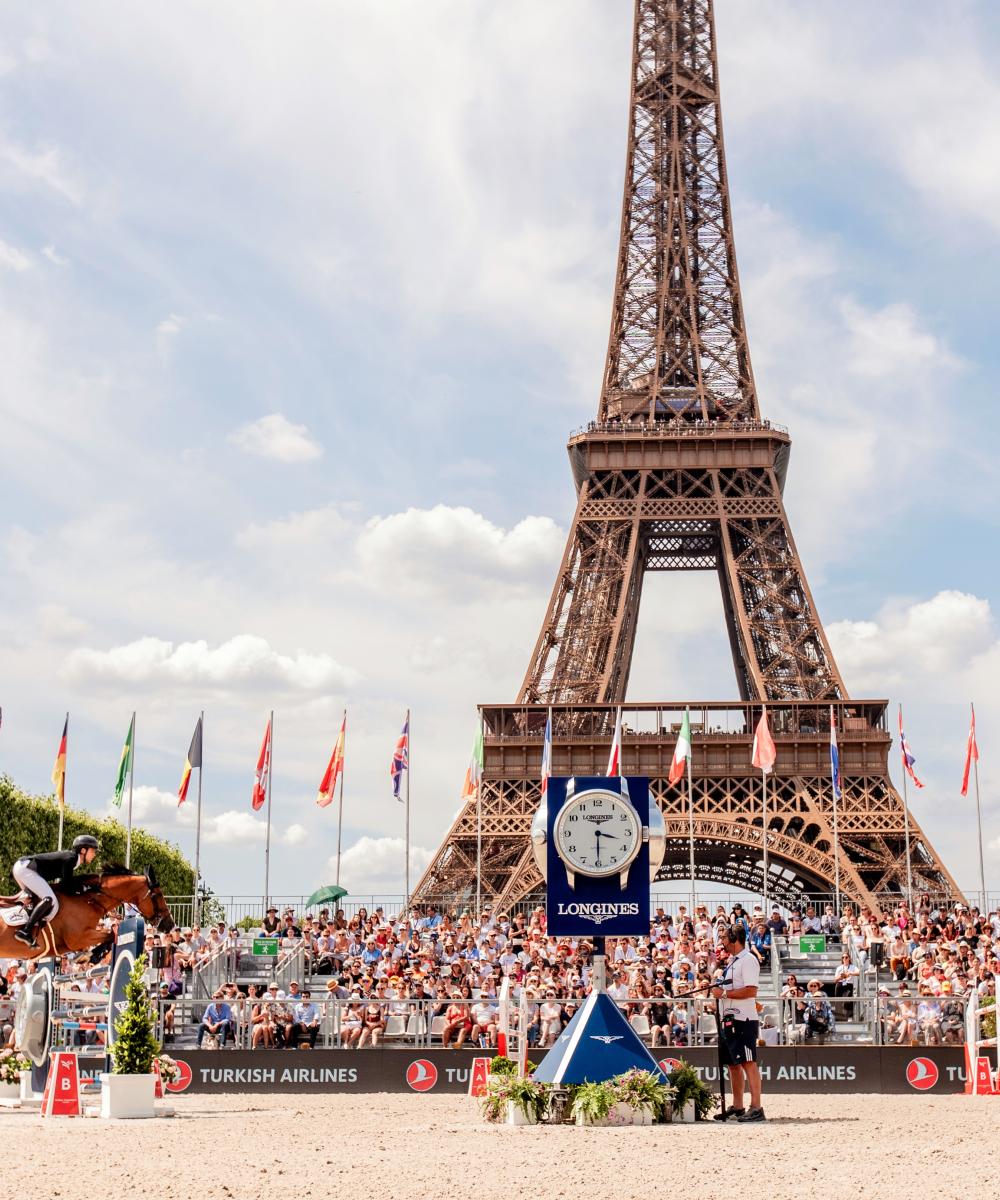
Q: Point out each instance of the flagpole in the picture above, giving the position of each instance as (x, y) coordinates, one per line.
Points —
(835, 783)
(479, 831)
(409, 750)
(690, 755)
(267, 839)
(340, 807)
(197, 832)
(906, 834)
(979, 821)
(131, 780)
(62, 798)
(763, 781)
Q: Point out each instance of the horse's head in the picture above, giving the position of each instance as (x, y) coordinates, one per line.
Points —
(159, 912)
(127, 887)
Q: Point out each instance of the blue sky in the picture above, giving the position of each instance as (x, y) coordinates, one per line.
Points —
(295, 318)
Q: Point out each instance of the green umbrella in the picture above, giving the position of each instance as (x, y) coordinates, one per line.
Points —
(325, 895)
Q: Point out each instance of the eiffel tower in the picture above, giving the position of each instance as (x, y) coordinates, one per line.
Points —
(680, 472)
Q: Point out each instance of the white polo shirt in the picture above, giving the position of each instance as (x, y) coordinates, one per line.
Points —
(744, 971)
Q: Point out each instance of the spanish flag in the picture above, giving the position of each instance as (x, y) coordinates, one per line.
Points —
(335, 767)
(59, 769)
(193, 760)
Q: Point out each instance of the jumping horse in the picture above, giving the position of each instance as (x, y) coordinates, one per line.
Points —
(77, 924)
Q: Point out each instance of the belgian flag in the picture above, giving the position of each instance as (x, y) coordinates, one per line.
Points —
(193, 760)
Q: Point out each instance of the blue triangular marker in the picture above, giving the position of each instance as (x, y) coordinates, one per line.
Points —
(596, 1045)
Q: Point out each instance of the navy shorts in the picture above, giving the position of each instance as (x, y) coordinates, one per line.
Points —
(740, 1044)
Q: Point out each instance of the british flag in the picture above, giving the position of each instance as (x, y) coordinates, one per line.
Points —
(400, 758)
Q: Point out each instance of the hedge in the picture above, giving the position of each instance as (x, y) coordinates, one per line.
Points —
(30, 824)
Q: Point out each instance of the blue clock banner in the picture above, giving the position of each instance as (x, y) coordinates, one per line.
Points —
(597, 907)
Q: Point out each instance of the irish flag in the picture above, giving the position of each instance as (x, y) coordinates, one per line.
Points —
(682, 751)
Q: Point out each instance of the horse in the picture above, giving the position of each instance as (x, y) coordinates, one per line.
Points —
(77, 924)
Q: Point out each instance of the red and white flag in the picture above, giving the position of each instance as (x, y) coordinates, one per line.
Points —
(971, 753)
(259, 793)
(547, 756)
(764, 752)
(328, 784)
(615, 757)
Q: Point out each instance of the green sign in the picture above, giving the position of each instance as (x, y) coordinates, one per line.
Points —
(812, 943)
(265, 947)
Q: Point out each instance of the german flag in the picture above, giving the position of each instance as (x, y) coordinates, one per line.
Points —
(59, 768)
(193, 760)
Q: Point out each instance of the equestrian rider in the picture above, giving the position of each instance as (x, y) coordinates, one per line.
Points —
(37, 872)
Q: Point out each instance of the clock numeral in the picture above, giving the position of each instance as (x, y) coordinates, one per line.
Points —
(571, 849)
(573, 817)
(614, 860)
(623, 816)
(597, 803)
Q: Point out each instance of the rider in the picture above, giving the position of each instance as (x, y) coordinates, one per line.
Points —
(37, 872)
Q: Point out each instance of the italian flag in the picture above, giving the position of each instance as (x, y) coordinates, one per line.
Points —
(474, 774)
(682, 751)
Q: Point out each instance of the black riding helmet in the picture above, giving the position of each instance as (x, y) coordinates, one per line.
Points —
(86, 842)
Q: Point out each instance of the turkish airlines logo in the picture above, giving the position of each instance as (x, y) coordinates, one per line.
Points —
(667, 1065)
(421, 1075)
(921, 1073)
(183, 1080)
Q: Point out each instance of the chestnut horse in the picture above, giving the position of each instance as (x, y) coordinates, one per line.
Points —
(77, 924)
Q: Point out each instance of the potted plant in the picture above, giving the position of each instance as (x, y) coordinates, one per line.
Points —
(500, 1064)
(592, 1103)
(692, 1100)
(12, 1063)
(640, 1098)
(130, 1089)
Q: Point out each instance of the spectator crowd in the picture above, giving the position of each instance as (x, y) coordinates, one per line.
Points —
(377, 965)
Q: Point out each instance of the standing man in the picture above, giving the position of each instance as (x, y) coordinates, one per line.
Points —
(737, 994)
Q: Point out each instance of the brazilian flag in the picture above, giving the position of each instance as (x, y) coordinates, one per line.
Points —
(126, 763)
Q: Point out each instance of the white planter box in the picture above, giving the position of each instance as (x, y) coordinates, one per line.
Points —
(10, 1091)
(516, 1117)
(581, 1119)
(128, 1096)
(624, 1114)
(26, 1092)
(684, 1115)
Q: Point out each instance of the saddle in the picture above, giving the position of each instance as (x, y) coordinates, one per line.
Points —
(13, 901)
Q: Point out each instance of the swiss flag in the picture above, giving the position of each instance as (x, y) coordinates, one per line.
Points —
(764, 752)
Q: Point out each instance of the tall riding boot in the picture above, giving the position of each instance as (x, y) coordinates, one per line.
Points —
(39, 912)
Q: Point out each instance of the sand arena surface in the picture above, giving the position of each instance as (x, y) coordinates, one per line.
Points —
(396, 1146)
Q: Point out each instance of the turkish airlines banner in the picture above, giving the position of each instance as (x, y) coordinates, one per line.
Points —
(788, 1069)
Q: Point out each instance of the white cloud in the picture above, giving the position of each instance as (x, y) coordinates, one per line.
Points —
(314, 527)
(884, 342)
(241, 660)
(42, 166)
(295, 835)
(159, 811)
(276, 437)
(374, 864)
(54, 256)
(12, 258)
(458, 548)
(58, 623)
(935, 640)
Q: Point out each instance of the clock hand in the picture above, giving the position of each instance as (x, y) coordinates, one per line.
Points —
(597, 835)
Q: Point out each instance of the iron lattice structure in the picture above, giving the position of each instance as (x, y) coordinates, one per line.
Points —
(680, 472)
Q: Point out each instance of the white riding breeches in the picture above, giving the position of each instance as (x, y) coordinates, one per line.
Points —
(32, 882)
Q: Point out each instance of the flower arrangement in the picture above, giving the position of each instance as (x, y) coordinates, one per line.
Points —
(592, 1102)
(641, 1090)
(687, 1086)
(505, 1088)
(12, 1063)
(169, 1070)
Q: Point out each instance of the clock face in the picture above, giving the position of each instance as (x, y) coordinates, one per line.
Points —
(597, 833)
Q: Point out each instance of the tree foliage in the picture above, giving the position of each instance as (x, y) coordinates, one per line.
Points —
(136, 1047)
(30, 825)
